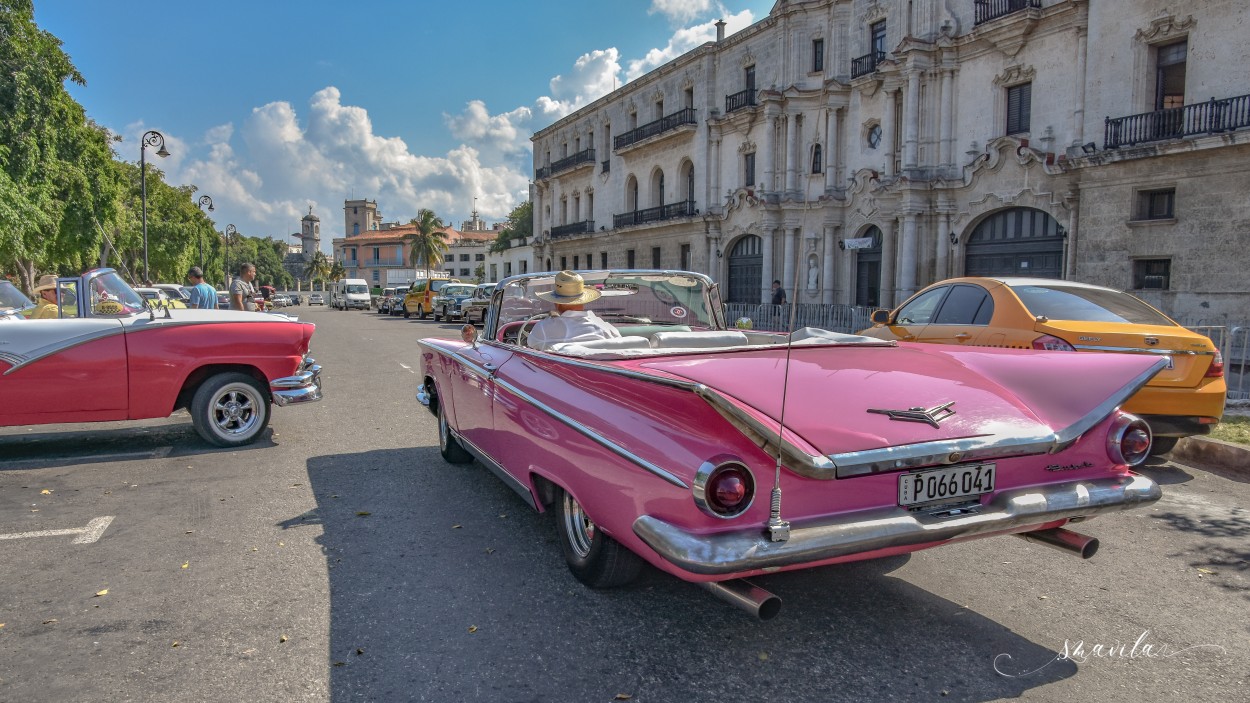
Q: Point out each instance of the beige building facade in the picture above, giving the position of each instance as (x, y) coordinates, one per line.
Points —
(858, 151)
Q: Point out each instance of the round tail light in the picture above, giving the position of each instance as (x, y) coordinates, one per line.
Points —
(724, 489)
(1128, 441)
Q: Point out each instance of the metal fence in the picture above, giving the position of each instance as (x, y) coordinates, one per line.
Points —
(776, 318)
(1233, 341)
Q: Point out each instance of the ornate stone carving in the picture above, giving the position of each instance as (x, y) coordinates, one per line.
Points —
(875, 11)
(748, 59)
(687, 81)
(741, 199)
(746, 147)
(1164, 28)
(1015, 75)
(657, 96)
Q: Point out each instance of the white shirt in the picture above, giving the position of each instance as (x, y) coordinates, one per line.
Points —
(571, 326)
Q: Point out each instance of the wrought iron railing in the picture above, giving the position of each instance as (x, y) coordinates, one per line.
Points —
(583, 227)
(1178, 122)
(683, 208)
(993, 9)
(660, 126)
(866, 64)
(542, 172)
(585, 156)
(776, 318)
(739, 100)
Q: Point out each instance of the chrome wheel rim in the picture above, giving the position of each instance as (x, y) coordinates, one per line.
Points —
(443, 430)
(236, 411)
(578, 527)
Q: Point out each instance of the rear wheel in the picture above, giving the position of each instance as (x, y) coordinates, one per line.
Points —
(437, 316)
(448, 446)
(595, 559)
(406, 313)
(230, 410)
(1163, 445)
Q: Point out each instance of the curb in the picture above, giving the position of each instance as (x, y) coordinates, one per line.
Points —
(1205, 451)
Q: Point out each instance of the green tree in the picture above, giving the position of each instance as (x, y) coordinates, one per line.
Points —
(337, 270)
(520, 227)
(317, 268)
(429, 241)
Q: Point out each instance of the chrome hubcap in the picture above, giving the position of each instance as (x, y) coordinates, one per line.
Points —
(234, 412)
(578, 527)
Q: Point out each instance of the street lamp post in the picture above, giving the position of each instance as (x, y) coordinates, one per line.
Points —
(230, 229)
(151, 138)
(204, 200)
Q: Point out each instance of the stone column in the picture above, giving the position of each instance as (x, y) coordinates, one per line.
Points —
(911, 121)
(943, 246)
(887, 133)
(765, 155)
(712, 178)
(766, 280)
(792, 154)
(834, 128)
(888, 233)
(713, 244)
(787, 264)
(907, 258)
(831, 246)
(946, 140)
(1078, 112)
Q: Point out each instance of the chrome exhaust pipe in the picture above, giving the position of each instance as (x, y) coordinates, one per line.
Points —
(1067, 540)
(747, 596)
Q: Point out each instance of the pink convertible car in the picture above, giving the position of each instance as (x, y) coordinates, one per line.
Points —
(718, 454)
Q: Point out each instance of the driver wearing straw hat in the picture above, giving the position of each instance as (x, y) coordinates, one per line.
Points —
(45, 292)
(571, 321)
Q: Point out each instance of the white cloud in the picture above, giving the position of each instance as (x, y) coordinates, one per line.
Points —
(680, 10)
(684, 40)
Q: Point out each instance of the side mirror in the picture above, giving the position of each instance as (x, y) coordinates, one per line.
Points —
(468, 333)
(880, 317)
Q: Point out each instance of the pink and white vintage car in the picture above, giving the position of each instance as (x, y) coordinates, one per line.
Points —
(717, 454)
(108, 356)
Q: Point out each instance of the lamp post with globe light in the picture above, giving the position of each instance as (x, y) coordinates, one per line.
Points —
(204, 200)
(151, 138)
(230, 230)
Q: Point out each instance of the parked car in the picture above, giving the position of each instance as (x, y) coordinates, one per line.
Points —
(13, 303)
(447, 304)
(419, 298)
(119, 360)
(1186, 398)
(316, 299)
(159, 299)
(223, 300)
(384, 300)
(718, 454)
(475, 308)
(175, 292)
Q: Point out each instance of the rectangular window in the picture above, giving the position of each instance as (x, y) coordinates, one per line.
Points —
(464, 272)
(1019, 107)
(689, 97)
(1156, 204)
(1170, 75)
(376, 274)
(659, 109)
(655, 257)
(749, 77)
(576, 263)
(818, 55)
(377, 253)
(507, 269)
(494, 272)
(564, 263)
(685, 257)
(748, 170)
(464, 257)
(603, 259)
(525, 267)
(877, 32)
(629, 259)
(479, 257)
(1152, 274)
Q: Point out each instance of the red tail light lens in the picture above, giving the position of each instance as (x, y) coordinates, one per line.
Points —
(724, 489)
(1216, 369)
(1048, 343)
(1128, 441)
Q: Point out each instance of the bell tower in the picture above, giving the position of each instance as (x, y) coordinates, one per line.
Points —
(310, 234)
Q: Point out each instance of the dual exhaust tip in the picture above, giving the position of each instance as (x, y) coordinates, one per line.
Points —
(764, 605)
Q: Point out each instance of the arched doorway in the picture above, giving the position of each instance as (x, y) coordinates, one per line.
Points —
(1018, 241)
(868, 270)
(746, 270)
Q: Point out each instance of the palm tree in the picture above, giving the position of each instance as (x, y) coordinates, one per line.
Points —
(337, 270)
(317, 268)
(428, 242)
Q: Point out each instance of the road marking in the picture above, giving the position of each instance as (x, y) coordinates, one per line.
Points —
(86, 535)
(407, 368)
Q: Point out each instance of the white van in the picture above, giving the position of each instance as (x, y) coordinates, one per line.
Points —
(348, 293)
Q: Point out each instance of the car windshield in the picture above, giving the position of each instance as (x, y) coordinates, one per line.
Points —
(456, 290)
(1087, 305)
(357, 288)
(12, 299)
(626, 297)
(111, 296)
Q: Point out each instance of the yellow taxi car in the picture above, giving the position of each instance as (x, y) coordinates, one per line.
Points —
(419, 300)
(1186, 398)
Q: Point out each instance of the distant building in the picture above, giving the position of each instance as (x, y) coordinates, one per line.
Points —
(298, 255)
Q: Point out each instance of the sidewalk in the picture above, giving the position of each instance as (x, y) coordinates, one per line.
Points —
(1205, 451)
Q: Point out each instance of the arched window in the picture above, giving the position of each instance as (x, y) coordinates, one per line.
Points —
(688, 194)
(817, 159)
(657, 190)
(631, 193)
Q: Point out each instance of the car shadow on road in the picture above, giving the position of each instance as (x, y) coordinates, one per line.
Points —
(445, 586)
(164, 438)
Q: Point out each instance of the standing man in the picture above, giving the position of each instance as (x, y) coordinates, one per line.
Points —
(242, 294)
(203, 296)
(779, 293)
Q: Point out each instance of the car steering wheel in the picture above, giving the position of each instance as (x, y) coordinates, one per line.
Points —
(522, 334)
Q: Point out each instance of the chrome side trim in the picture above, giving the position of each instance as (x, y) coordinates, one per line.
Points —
(749, 549)
(508, 479)
(574, 424)
(1139, 350)
(63, 344)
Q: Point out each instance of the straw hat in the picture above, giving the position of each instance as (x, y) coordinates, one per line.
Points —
(46, 282)
(570, 290)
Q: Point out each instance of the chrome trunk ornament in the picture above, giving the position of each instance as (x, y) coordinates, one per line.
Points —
(931, 416)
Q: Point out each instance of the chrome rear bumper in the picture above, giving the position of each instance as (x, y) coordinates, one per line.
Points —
(871, 530)
(303, 387)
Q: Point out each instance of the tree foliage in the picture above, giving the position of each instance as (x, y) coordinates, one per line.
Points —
(429, 242)
(520, 227)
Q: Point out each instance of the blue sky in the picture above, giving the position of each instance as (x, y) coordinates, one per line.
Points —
(272, 106)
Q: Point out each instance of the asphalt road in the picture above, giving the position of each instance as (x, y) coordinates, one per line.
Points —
(341, 559)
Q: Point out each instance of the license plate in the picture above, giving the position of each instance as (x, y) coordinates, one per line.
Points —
(945, 484)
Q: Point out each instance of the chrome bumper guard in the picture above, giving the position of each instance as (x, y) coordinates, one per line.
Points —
(870, 530)
(303, 387)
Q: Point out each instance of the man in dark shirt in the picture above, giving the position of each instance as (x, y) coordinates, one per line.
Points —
(779, 294)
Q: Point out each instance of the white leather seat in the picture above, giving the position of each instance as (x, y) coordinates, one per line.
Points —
(708, 339)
